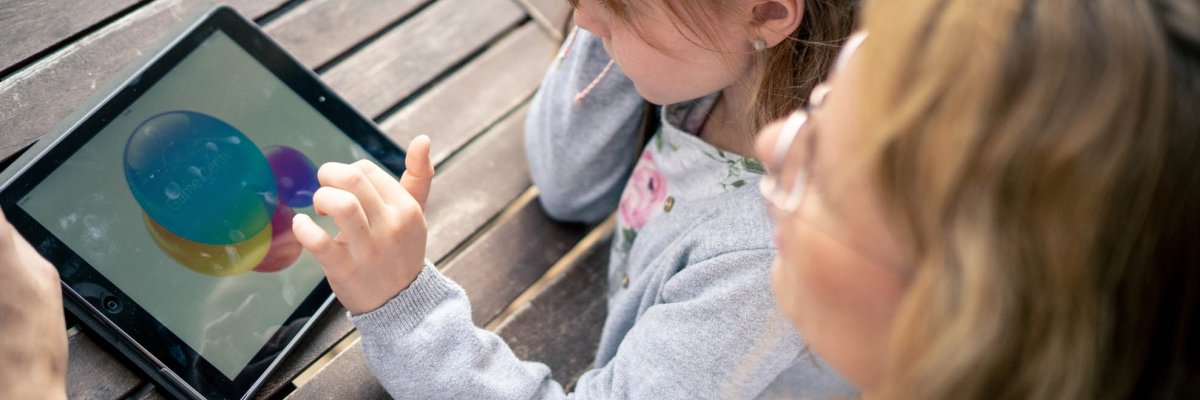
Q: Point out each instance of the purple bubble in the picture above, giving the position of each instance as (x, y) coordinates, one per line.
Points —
(295, 175)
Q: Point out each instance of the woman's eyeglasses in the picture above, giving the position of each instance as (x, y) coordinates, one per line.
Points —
(791, 162)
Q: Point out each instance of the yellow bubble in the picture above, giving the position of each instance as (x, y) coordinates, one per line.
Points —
(208, 259)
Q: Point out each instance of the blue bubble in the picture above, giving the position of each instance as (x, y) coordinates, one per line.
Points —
(200, 178)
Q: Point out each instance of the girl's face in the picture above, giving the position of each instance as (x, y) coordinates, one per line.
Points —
(668, 64)
(839, 274)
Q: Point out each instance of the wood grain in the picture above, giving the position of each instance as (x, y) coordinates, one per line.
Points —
(316, 31)
(348, 376)
(476, 96)
(39, 97)
(398, 63)
(561, 326)
(476, 185)
(28, 27)
(93, 373)
(505, 260)
(557, 12)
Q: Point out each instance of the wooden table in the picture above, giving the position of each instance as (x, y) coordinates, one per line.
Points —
(461, 71)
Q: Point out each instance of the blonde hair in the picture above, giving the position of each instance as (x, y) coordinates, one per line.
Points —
(1043, 161)
(785, 74)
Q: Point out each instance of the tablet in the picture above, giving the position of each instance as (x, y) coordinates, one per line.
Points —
(167, 209)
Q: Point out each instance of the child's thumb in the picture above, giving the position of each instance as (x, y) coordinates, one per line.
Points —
(418, 170)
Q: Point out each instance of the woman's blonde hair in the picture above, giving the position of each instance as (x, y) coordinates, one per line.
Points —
(786, 73)
(1043, 161)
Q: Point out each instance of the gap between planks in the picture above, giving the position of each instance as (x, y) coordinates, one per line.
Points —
(513, 207)
(541, 20)
(325, 359)
(552, 274)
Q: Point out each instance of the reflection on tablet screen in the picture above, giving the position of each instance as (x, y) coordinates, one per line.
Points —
(185, 200)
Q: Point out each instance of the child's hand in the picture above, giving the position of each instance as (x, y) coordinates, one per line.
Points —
(381, 247)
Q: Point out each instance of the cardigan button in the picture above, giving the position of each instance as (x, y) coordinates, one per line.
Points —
(668, 204)
(625, 281)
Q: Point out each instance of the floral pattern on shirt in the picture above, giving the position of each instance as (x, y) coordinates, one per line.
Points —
(675, 165)
(645, 191)
(738, 167)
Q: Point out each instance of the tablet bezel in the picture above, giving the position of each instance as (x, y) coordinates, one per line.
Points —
(142, 337)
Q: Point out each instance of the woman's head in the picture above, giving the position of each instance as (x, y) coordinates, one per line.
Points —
(678, 50)
(1006, 193)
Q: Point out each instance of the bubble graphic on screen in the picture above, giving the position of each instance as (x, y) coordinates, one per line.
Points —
(200, 178)
(211, 199)
(211, 259)
(284, 248)
(295, 175)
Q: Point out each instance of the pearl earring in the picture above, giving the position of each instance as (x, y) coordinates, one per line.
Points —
(760, 44)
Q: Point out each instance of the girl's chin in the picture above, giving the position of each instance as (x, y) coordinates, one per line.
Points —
(656, 97)
(652, 98)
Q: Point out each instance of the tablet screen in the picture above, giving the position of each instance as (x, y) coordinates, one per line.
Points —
(184, 201)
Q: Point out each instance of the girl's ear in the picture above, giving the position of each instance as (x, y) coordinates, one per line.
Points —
(775, 20)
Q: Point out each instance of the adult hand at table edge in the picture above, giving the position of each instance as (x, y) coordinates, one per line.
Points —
(380, 247)
(33, 351)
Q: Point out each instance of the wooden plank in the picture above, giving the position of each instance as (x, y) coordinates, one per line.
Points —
(557, 12)
(467, 102)
(93, 373)
(39, 97)
(253, 9)
(561, 326)
(348, 376)
(505, 260)
(416, 52)
(493, 270)
(29, 27)
(317, 31)
(476, 185)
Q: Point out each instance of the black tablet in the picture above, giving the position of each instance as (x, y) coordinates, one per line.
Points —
(167, 209)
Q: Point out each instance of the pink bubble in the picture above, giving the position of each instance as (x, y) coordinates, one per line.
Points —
(285, 249)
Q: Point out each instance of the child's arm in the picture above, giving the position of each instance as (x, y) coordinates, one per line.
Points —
(718, 336)
(581, 153)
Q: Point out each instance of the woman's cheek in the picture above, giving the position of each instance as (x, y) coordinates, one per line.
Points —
(787, 272)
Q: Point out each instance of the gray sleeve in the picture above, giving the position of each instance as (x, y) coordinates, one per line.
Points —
(717, 336)
(423, 345)
(717, 333)
(581, 153)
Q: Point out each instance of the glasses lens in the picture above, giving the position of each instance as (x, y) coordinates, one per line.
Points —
(784, 186)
